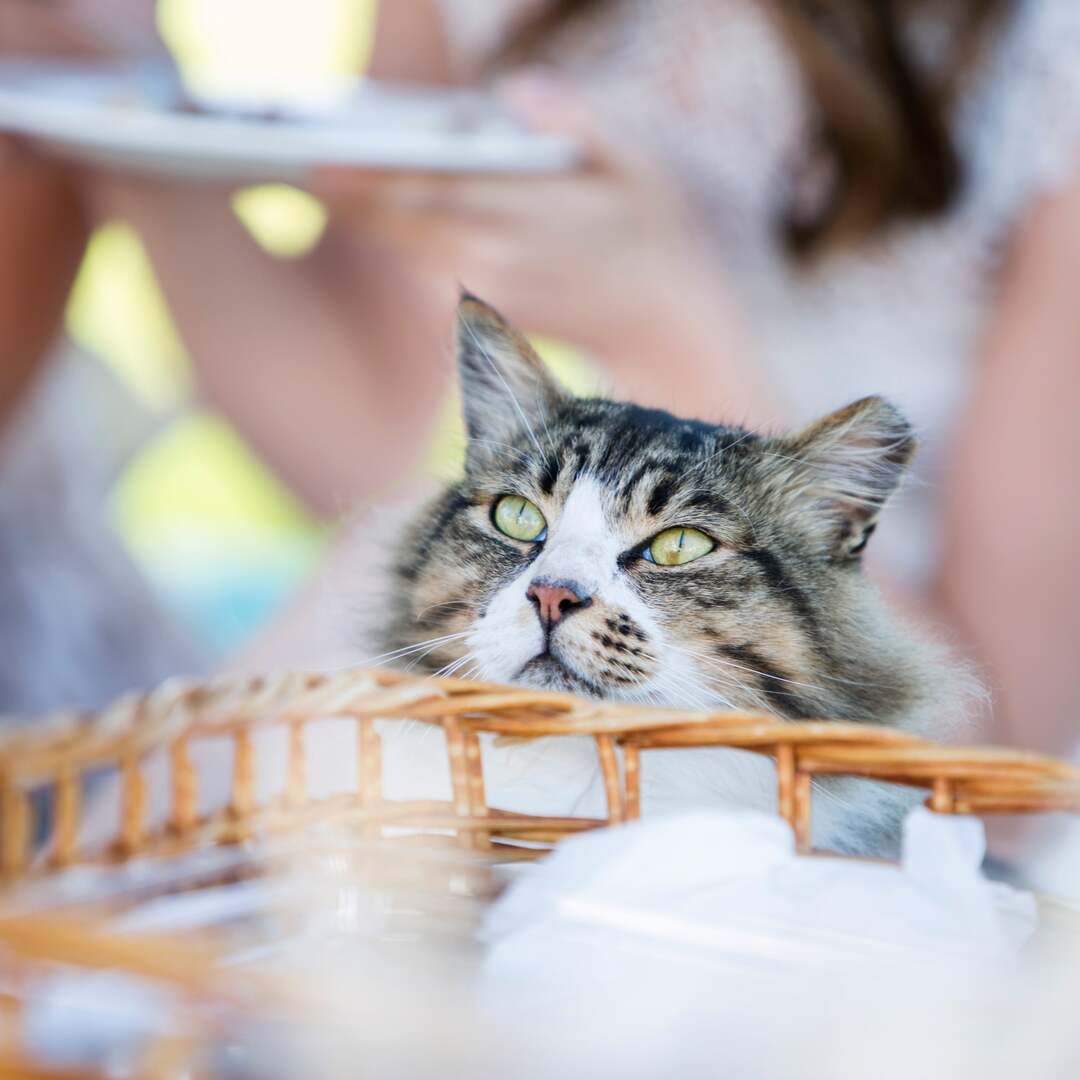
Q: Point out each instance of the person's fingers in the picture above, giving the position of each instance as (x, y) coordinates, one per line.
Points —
(422, 235)
(546, 102)
(30, 29)
(112, 34)
(345, 188)
(364, 189)
(444, 245)
(358, 195)
(84, 29)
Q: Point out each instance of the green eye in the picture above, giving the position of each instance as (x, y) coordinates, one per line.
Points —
(673, 547)
(520, 519)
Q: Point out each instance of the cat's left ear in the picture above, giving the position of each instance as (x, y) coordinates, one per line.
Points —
(506, 389)
(844, 467)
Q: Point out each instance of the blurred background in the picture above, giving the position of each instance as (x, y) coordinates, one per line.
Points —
(221, 540)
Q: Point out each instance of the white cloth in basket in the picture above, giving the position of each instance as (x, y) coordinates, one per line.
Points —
(703, 946)
(729, 885)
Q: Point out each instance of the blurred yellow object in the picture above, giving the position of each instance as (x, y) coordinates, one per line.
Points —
(284, 221)
(198, 469)
(219, 536)
(571, 366)
(281, 49)
(117, 312)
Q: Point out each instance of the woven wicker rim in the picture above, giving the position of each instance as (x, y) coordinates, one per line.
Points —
(59, 750)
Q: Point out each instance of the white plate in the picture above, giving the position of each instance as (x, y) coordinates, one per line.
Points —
(129, 119)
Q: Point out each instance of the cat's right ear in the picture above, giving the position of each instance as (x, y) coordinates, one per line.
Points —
(841, 470)
(506, 389)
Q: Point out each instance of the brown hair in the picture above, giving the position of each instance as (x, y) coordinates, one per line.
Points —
(882, 120)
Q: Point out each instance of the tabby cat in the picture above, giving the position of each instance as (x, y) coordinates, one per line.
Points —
(623, 553)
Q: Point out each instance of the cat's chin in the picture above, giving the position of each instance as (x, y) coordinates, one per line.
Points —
(545, 672)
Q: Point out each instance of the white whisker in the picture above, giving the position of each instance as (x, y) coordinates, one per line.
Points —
(397, 654)
(445, 603)
(780, 678)
(700, 466)
(526, 458)
(455, 665)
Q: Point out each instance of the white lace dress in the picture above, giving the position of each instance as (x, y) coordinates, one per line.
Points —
(709, 88)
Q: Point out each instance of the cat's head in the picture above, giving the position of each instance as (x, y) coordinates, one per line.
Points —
(624, 553)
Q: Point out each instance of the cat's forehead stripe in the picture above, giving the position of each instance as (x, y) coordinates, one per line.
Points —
(699, 499)
(637, 453)
(661, 495)
(549, 473)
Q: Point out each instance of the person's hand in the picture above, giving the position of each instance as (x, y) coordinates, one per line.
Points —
(564, 254)
(79, 29)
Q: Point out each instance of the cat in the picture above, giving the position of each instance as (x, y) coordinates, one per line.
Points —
(625, 554)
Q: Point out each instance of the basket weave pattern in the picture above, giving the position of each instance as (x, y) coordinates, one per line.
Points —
(60, 751)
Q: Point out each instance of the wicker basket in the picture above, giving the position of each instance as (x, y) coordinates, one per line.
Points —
(59, 753)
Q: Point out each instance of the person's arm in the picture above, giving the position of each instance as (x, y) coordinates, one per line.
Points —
(331, 365)
(410, 44)
(44, 231)
(1010, 576)
(43, 221)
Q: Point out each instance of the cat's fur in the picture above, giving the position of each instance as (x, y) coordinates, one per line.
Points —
(778, 617)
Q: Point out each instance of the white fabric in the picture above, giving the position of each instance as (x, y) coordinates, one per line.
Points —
(79, 1021)
(703, 946)
(728, 887)
(707, 86)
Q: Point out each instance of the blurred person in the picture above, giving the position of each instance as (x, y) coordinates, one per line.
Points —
(78, 624)
(786, 205)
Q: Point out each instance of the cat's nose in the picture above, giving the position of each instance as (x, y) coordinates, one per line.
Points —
(554, 600)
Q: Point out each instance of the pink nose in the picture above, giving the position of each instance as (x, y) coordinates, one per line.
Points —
(554, 600)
